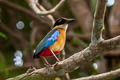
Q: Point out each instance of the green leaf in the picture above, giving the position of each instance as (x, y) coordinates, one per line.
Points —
(57, 78)
(3, 35)
(3, 67)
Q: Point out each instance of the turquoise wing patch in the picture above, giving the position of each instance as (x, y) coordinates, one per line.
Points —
(47, 41)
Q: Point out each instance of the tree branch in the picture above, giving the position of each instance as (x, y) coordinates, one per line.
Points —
(33, 35)
(84, 23)
(39, 9)
(35, 8)
(103, 76)
(10, 32)
(98, 23)
(15, 34)
(71, 63)
(53, 9)
(112, 44)
(49, 17)
(13, 6)
(96, 48)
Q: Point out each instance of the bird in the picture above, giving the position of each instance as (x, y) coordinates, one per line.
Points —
(54, 42)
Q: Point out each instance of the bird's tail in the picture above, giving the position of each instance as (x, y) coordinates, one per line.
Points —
(35, 55)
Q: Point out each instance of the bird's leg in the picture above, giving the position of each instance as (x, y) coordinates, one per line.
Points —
(55, 56)
(47, 63)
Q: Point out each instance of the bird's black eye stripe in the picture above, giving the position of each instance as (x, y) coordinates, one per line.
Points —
(59, 22)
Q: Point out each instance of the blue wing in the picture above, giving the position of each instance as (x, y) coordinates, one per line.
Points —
(47, 41)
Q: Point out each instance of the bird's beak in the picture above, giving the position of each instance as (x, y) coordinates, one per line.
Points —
(70, 20)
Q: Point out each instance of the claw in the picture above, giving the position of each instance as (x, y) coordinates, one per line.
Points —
(56, 63)
(47, 65)
(31, 69)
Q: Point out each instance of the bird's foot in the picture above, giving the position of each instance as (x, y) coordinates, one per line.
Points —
(49, 65)
(31, 69)
(56, 63)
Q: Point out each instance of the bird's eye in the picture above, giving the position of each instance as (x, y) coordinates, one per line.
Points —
(60, 21)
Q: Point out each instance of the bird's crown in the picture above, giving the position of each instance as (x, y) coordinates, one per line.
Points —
(63, 20)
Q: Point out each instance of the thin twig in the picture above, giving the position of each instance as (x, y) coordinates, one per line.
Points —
(12, 6)
(11, 32)
(98, 23)
(49, 11)
(33, 35)
(63, 54)
(48, 16)
(67, 75)
(53, 9)
(39, 9)
(103, 76)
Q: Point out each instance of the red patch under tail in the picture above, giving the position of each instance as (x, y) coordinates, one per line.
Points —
(46, 52)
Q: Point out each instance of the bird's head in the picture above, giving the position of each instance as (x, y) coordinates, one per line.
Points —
(63, 22)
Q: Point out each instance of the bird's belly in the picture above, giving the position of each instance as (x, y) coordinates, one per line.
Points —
(59, 44)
